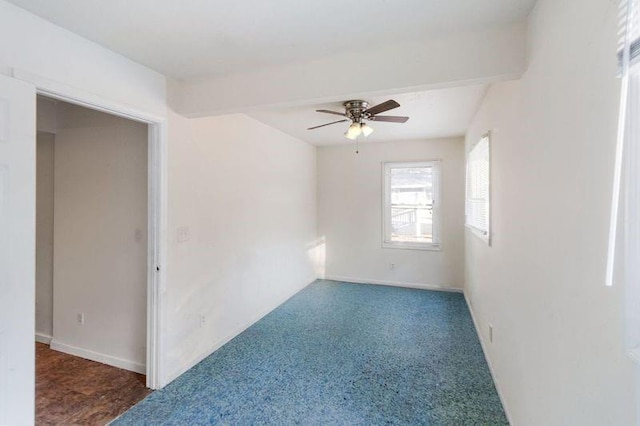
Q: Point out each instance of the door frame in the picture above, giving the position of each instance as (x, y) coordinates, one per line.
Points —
(156, 205)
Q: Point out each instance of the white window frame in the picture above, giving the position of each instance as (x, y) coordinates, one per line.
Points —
(483, 234)
(436, 245)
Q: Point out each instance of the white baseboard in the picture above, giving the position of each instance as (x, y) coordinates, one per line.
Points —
(220, 343)
(420, 286)
(43, 338)
(486, 356)
(98, 357)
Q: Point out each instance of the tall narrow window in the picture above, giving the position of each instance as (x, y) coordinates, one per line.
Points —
(411, 205)
(478, 195)
(626, 178)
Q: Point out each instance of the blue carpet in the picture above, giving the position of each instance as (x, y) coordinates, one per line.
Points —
(339, 353)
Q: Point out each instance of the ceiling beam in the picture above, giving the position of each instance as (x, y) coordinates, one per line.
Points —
(447, 61)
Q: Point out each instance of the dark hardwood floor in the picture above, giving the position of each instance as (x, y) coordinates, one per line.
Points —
(75, 391)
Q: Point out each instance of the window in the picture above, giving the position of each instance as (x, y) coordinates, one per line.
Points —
(478, 180)
(411, 205)
(625, 203)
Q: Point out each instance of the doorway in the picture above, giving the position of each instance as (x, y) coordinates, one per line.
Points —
(91, 260)
(17, 232)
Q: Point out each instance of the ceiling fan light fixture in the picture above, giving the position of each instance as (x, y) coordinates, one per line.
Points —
(353, 131)
(358, 111)
(366, 129)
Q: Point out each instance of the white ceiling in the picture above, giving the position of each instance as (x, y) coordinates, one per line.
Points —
(196, 38)
(433, 114)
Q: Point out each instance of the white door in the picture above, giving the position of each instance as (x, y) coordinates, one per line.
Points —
(17, 251)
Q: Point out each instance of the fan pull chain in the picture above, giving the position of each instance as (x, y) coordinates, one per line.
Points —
(358, 146)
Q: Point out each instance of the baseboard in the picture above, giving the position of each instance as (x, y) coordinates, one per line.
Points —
(486, 356)
(220, 343)
(98, 357)
(420, 286)
(43, 338)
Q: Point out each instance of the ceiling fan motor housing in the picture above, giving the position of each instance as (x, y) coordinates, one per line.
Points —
(356, 110)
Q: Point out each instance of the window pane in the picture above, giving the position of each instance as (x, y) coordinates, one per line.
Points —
(412, 204)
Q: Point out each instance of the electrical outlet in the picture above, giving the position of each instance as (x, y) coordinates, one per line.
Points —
(80, 319)
(203, 319)
(490, 332)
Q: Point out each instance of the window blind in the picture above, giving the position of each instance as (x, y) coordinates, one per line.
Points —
(628, 33)
(478, 180)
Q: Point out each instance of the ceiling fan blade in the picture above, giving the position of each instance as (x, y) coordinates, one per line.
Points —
(328, 124)
(389, 118)
(385, 106)
(326, 111)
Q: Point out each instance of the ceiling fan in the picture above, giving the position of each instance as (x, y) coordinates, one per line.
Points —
(358, 112)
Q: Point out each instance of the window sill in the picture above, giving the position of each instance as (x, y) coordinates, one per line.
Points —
(411, 246)
(484, 236)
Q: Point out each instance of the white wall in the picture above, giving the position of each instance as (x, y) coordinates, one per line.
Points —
(557, 350)
(245, 194)
(47, 126)
(350, 215)
(100, 246)
(44, 233)
(29, 43)
(46, 115)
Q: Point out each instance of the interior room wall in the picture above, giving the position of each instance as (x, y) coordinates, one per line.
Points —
(243, 207)
(100, 246)
(34, 45)
(557, 352)
(44, 235)
(350, 215)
